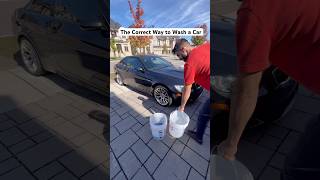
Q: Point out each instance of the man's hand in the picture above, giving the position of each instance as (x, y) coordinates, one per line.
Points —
(181, 109)
(227, 150)
(185, 96)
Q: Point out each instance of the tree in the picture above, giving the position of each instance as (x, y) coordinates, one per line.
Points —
(164, 49)
(138, 41)
(198, 40)
(113, 45)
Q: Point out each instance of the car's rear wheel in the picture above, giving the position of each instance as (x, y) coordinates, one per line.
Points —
(30, 58)
(119, 79)
(162, 95)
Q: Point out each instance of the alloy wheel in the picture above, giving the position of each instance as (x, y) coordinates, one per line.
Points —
(162, 96)
(119, 79)
(29, 56)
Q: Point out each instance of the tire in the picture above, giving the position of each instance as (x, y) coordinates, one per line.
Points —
(30, 58)
(162, 96)
(119, 79)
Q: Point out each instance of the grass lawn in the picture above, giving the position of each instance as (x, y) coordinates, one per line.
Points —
(8, 46)
(114, 58)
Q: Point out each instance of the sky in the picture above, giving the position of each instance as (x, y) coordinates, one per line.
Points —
(164, 13)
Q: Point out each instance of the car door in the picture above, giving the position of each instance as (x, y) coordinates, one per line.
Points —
(128, 70)
(122, 69)
(138, 75)
(34, 20)
(80, 41)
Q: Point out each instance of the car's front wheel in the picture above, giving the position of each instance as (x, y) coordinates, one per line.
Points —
(162, 95)
(119, 79)
(30, 58)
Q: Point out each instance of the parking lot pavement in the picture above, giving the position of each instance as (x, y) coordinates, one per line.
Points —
(136, 155)
(45, 131)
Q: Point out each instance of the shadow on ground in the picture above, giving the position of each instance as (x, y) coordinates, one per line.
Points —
(36, 144)
(69, 86)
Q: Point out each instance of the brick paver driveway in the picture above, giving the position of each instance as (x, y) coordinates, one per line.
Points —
(263, 150)
(136, 155)
(45, 132)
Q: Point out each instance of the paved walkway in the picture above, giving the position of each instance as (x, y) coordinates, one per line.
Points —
(45, 132)
(264, 150)
(136, 155)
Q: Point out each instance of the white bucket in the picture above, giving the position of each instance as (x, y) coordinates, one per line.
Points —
(178, 123)
(228, 170)
(158, 125)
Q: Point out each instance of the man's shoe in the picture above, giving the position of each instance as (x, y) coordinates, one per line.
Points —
(193, 135)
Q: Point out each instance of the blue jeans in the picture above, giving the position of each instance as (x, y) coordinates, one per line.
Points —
(203, 119)
(303, 162)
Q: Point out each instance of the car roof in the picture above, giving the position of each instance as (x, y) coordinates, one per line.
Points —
(141, 56)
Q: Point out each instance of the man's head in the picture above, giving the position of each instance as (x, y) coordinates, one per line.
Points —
(182, 49)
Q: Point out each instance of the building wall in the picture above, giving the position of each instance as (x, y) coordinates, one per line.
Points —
(123, 49)
(121, 43)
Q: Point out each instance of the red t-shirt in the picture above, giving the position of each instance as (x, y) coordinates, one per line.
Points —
(197, 67)
(284, 33)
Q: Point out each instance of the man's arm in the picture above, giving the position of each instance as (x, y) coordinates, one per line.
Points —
(185, 96)
(243, 102)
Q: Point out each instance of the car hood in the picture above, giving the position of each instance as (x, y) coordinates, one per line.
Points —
(224, 49)
(170, 73)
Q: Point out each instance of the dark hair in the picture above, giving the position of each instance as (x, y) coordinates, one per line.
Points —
(178, 44)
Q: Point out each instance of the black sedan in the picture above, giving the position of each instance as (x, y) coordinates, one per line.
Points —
(69, 38)
(277, 90)
(154, 75)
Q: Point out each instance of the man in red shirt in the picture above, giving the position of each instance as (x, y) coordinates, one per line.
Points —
(286, 34)
(196, 70)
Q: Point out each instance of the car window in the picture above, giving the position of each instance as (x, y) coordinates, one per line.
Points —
(81, 11)
(154, 62)
(44, 7)
(132, 62)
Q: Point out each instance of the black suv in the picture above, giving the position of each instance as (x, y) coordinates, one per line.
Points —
(67, 37)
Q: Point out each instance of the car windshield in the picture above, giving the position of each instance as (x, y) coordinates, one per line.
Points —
(153, 62)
